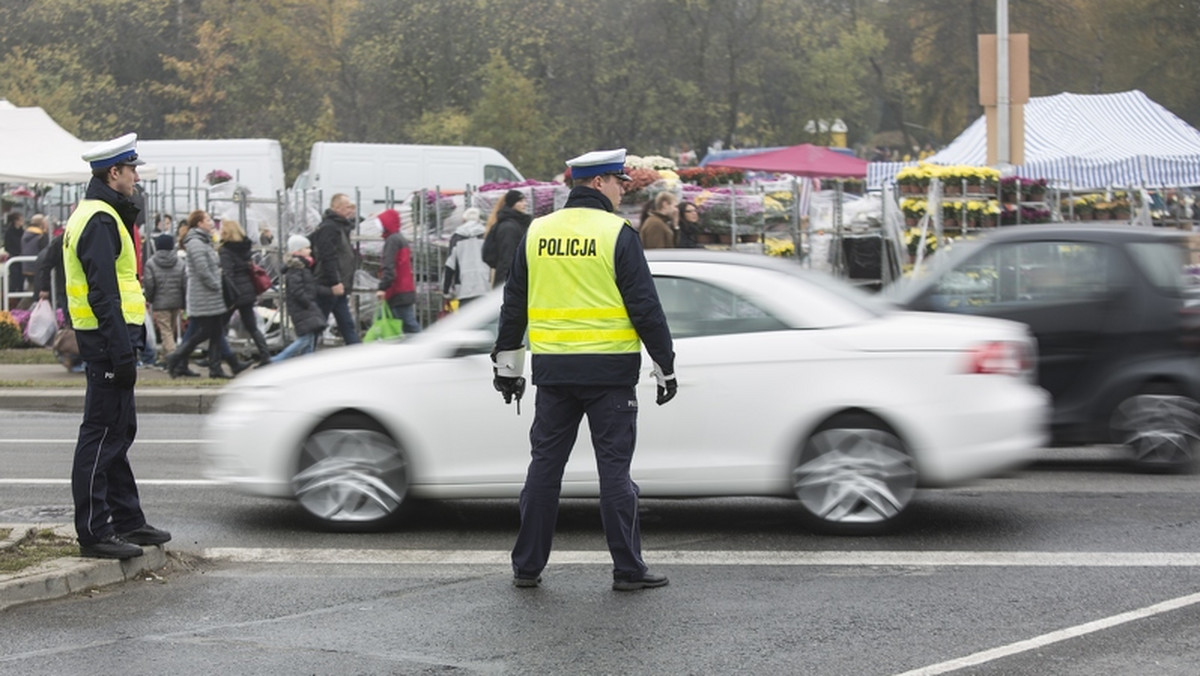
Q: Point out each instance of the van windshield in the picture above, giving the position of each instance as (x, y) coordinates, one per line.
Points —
(494, 173)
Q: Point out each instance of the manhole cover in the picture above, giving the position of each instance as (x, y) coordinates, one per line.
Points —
(39, 513)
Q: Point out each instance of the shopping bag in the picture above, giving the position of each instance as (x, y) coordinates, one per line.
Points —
(385, 325)
(260, 278)
(42, 324)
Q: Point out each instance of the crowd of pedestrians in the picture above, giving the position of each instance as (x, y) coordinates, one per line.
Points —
(198, 277)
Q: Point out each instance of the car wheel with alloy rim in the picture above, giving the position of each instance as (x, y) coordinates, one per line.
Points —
(351, 475)
(1161, 428)
(854, 476)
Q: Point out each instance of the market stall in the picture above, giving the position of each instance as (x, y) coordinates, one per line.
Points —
(1080, 142)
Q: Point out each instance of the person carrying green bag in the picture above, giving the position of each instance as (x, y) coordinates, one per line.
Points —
(396, 284)
(384, 326)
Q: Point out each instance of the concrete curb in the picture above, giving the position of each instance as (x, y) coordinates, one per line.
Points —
(70, 400)
(62, 577)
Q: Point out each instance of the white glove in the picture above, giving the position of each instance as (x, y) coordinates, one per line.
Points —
(667, 386)
(509, 363)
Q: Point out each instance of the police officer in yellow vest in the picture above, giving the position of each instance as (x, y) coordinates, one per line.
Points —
(580, 284)
(104, 299)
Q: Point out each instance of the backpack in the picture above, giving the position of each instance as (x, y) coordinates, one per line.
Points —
(491, 248)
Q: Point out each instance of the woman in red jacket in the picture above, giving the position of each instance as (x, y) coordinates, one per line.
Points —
(396, 284)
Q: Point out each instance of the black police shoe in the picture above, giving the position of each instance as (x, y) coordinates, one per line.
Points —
(648, 580)
(110, 547)
(526, 582)
(146, 535)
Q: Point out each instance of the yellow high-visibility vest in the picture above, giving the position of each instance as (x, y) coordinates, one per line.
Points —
(575, 306)
(133, 303)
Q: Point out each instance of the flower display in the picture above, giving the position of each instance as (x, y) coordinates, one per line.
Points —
(780, 247)
(1015, 188)
(1013, 214)
(913, 207)
(915, 179)
(656, 162)
(709, 177)
(912, 240)
(10, 331)
(975, 179)
(719, 206)
(641, 179)
(543, 195)
(217, 177)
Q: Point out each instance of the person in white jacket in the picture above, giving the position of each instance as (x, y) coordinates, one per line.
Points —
(466, 277)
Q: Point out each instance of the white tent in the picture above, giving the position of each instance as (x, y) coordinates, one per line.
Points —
(37, 150)
(1086, 141)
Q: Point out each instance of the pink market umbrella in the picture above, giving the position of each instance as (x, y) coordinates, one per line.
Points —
(802, 160)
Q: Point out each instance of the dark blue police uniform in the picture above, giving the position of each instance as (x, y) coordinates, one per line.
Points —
(600, 386)
(102, 483)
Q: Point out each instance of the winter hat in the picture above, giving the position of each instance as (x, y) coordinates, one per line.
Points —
(471, 214)
(390, 220)
(512, 197)
(298, 242)
(164, 242)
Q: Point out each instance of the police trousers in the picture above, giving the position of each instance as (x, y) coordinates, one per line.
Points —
(612, 419)
(105, 493)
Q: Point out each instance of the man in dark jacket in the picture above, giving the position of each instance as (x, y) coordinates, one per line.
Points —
(108, 311)
(581, 286)
(49, 275)
(336, 263)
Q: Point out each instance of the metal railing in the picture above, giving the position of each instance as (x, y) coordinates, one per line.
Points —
(5, 295)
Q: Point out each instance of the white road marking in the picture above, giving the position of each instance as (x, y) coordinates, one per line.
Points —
(1054, 637)
(140, 482)
(483, 557)
(74, 441)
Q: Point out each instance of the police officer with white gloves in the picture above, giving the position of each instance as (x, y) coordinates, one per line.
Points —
(108, 311)
(580, 283)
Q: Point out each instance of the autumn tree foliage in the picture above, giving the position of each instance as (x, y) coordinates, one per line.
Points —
(545, 79)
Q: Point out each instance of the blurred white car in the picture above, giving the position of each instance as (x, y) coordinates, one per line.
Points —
(790, 384)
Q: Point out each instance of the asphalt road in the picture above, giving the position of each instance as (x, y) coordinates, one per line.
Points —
(1073, 566)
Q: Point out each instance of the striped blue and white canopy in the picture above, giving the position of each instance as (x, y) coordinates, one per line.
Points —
(1083, 141)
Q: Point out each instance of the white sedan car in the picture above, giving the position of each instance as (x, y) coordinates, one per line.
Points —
(790, 384)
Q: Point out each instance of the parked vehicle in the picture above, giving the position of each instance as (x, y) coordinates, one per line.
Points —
(790, 384)
(367, 171)
(256, 164)
(1115, 319)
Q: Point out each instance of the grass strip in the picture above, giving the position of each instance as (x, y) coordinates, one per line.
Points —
(39, 546)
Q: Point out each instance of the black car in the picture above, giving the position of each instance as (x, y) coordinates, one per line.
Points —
(1116, 318)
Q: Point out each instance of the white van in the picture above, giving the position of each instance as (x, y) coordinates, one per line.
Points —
(255, 163)
(365, 171)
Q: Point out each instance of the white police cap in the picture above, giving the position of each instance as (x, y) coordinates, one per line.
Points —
(599, 162)
(121, 150)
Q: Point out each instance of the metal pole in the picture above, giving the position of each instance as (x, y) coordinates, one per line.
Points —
(732, 216)
(1003, 140)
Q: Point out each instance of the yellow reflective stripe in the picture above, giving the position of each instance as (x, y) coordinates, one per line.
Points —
(551, 313)
(582, 335)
